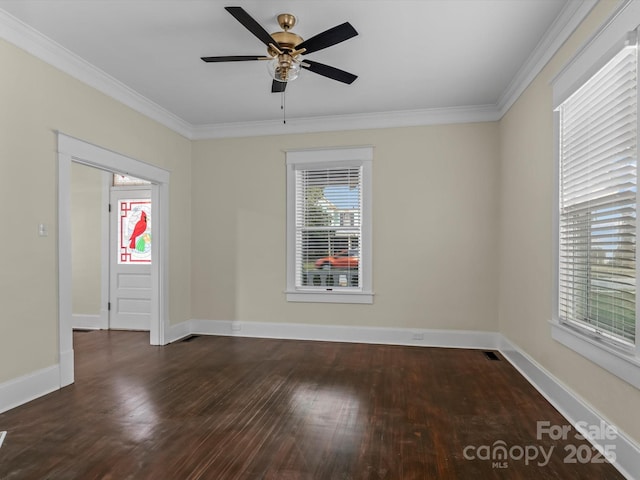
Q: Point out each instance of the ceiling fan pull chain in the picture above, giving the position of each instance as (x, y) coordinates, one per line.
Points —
(283, 107)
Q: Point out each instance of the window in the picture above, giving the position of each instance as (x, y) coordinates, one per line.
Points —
(595, 101)
(329, 225)
(597, 277)
(127, 181)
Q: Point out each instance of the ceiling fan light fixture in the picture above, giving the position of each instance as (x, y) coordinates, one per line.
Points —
(283, 68)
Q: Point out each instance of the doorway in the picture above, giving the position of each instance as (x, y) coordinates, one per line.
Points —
(111, 259)
(72, 150)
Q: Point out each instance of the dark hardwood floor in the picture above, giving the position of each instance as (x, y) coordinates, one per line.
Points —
(241, 408)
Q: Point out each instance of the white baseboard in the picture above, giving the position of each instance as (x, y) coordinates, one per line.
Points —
(341, 333)
(177, 332)
(575, 409)
(88, 322)
(18, 391)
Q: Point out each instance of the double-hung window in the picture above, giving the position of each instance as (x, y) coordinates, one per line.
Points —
(597, 131)
(598, 202)
(329, 225)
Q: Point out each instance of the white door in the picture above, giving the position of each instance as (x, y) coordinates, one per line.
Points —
(130, 259)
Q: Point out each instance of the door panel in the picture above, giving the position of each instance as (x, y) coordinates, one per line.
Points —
(134, 280)
(130, 263)
(133, 306)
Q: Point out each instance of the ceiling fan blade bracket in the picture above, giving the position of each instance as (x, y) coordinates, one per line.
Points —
(273, 49)
(297, 52)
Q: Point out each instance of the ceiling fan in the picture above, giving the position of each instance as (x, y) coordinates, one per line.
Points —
(285, 48)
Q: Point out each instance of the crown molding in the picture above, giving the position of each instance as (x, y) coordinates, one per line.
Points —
(40, 46)
(573, 13)
(406, 118)
(27, 38)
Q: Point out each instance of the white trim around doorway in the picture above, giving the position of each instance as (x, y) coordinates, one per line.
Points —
(70, 150)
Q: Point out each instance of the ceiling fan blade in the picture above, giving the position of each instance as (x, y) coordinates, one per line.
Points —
(328, 38)
(250, 24)
(328, 71)
(278, 87)
(232, 58)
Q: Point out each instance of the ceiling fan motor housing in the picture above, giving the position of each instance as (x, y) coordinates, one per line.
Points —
(286, 41)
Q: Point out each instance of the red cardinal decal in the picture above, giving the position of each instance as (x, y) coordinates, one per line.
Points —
(139, 229)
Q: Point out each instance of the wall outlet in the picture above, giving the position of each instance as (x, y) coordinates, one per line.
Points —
(417, 336)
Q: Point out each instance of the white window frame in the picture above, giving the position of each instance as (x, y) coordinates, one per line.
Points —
(602, 47)
(323, 158)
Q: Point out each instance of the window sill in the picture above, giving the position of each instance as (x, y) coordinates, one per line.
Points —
(623, 364)
(315, 296)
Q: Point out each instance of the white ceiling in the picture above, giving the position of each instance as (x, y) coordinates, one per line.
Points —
(410, 56)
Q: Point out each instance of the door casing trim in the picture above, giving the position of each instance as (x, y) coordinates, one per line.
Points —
(70, 150)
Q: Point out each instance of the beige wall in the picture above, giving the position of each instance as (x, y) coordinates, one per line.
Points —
(526, 243)
(86, 235)
(36, 101)
(435, 204)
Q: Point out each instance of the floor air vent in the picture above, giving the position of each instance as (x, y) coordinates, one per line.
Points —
(491, 356)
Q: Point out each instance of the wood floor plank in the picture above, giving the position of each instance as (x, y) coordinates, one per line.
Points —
(228, 408)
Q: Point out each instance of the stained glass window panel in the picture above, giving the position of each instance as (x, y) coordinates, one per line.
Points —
(134, 231)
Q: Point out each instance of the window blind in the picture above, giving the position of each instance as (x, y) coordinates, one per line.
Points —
(598, 187)
(328, 227)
